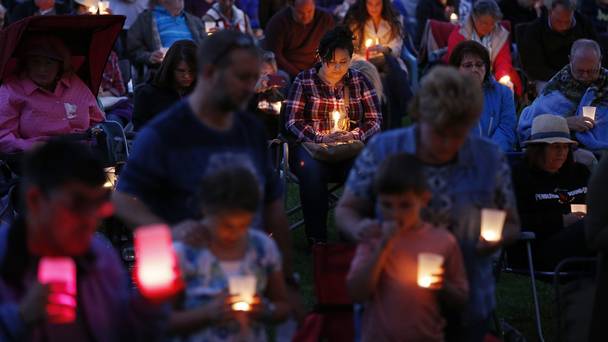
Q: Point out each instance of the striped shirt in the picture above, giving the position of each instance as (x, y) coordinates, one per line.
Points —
(311, 102)
(170, 28)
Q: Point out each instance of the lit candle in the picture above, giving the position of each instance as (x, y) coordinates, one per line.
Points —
(103, 7)
(61, 305)
(335, 115)
(429, 267)
(578, 208)
(156, 262)
(589, 112)
(243, 287)
(368, 44)
(454, 18)
(492, 222)
(277, 106)
(93, 9)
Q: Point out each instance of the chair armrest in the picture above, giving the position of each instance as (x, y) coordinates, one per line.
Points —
(527, 236)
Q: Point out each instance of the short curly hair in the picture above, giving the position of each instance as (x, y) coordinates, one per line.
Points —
(447, 98)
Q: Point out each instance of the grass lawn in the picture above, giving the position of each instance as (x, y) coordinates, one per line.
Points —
(514, 296)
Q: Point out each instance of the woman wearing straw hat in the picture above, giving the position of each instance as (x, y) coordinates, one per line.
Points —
(547, 183)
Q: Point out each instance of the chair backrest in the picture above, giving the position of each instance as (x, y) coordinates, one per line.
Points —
(441, 31)
(331, 265)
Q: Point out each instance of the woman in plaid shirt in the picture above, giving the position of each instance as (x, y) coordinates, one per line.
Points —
(314, 97)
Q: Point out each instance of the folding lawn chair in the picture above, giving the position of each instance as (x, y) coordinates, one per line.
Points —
(570, 279)
(332, 318)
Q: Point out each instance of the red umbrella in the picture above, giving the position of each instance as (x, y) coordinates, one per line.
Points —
(90, 39)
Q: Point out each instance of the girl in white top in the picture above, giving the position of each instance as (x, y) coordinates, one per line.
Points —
(378, 29)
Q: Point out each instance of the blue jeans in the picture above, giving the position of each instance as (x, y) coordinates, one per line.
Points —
(313, 176)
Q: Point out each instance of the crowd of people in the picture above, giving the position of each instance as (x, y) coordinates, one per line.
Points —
(509, 116)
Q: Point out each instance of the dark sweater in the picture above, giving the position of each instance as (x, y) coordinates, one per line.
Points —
(543, 198)
(516, 14)
(544, 52)
(149, 101)
(295, 45)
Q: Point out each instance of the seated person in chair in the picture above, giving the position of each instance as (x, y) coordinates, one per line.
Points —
(174, 80)
(483, 26)
(546, 183)
(44, 98)
(379, 37)
(582, 82)
(498, 119)
(329, 88)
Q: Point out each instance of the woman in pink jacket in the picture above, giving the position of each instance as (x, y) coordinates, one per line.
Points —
(43, 98)
(483, 26)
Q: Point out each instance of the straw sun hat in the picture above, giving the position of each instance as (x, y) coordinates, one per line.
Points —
(550, 129)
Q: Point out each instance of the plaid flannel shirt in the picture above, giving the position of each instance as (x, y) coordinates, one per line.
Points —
(311, 101)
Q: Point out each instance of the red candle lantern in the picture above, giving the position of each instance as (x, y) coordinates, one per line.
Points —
(156, 268)
(60, 274)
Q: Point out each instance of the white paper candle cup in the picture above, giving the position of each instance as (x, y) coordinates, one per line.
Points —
(492, 222)
(578, 208)
(243, 287)
(209, 25)
(589, 112)
(429, 266)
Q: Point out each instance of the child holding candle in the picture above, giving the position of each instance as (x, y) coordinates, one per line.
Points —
(206, 312)
(385, 270)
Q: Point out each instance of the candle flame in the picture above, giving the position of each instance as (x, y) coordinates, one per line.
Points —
(425, 281)
(453, 17)
(368, 42)
(336, 116)
(241, 306)
(505, 79)
(490, 236)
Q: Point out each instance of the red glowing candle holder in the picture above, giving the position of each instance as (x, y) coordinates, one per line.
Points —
(60, 274)
(156, 270)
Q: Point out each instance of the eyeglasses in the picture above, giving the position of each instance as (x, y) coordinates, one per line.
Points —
(471, 65)
(241, 42)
